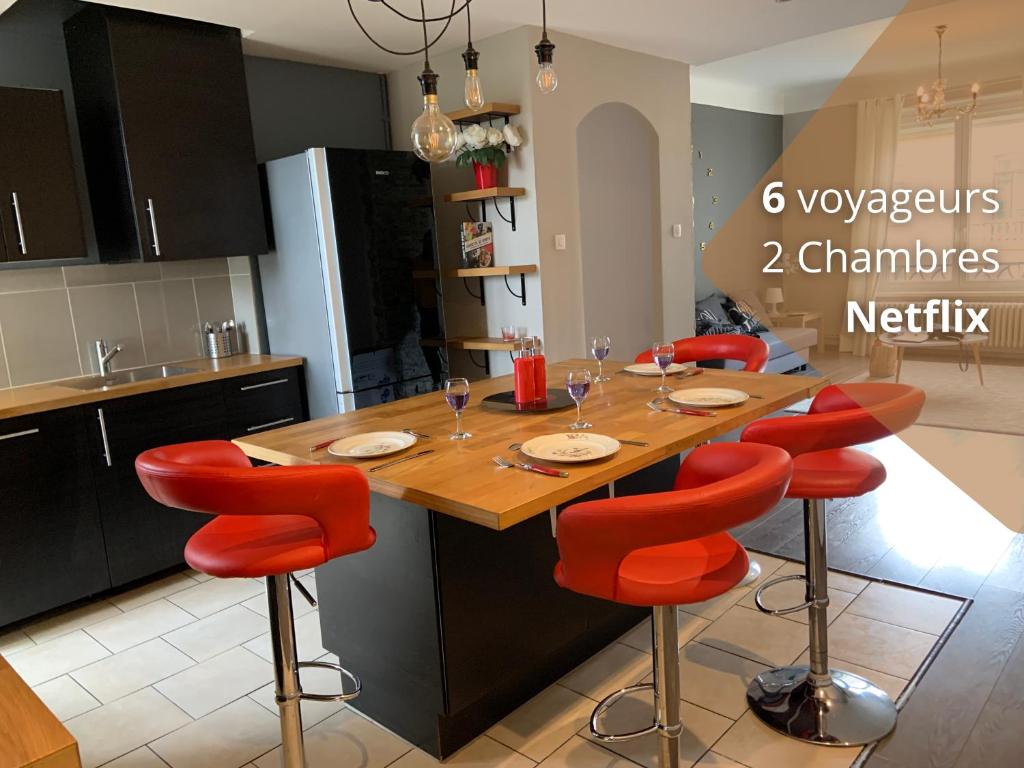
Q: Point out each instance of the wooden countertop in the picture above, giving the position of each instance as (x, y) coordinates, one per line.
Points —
(461, 480)
(36, 398)
(30, 734)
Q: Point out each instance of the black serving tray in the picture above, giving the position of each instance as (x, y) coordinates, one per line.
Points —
(557, 400)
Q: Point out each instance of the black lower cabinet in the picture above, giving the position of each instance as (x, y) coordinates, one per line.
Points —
(144, 537)
(51, 548)
(74, 518)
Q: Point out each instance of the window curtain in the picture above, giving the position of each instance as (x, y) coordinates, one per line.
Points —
(878, 129)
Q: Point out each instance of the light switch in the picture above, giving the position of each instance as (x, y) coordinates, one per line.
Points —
(559, 242)
(677, 230)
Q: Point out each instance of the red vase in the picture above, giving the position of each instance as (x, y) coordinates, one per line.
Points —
(486, 175)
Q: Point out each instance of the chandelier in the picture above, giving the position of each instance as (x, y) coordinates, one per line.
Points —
(433, 134)
(931, 102)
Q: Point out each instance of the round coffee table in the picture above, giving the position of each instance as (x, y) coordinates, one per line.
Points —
(972, 341)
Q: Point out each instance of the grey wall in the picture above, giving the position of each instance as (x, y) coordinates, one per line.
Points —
(739, 147)
(296, 106)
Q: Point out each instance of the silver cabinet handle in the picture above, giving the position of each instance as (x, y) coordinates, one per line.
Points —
(152, 223)
(103, 434)
(23, 433)
(262, 385)
(22, 245)
(270, 424)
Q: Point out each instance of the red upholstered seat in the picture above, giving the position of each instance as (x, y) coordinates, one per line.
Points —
(671, 548)
(270, 520)
(840, 416)
(749, 350)
(840, 473)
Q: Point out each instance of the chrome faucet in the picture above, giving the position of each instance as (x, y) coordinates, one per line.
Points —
(104, 356)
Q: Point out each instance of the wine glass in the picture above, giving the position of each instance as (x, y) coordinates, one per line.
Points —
(663, 355)
(601, 346)
(578, 384)
(456, 393)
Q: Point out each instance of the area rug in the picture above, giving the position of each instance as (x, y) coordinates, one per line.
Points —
(956, 400)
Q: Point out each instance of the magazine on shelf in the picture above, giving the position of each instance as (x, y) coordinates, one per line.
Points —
(477, 244)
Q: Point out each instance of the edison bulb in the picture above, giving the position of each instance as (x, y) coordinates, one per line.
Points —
(547, 78)
(433, 134)
(474, 90)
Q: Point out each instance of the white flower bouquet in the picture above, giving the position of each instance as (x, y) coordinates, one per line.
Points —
(485, 146)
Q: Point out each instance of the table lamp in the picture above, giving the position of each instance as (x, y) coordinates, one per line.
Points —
(773, 297)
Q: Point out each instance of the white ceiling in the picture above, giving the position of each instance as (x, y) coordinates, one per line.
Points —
(694, 31)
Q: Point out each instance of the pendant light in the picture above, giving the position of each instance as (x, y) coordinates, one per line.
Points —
(474, 92)
(547, 78)
(433, 135)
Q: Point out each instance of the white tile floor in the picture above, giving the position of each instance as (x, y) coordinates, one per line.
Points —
(177, 673)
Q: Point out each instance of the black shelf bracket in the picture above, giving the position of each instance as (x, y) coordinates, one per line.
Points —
(522, 288)
(486, 366)
(511, 218)
(481, 296)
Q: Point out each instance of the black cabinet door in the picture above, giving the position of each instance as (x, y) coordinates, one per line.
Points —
(39, 206)
(167, 137)
(265, 400)
(144, 537)
(51, 548)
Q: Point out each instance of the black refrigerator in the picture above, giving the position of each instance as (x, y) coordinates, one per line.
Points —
(351, 281)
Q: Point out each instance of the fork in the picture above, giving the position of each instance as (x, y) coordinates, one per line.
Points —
(506, 464)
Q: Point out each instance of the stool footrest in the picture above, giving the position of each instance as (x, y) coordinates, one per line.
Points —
(607, 702)
(343, 696)
(780, 611)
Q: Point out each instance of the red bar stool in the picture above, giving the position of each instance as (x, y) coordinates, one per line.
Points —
(815, 703)
(269, 522)
(749, 350)
(667, 549)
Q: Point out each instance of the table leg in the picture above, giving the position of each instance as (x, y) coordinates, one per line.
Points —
(899, 362)
(977, 361)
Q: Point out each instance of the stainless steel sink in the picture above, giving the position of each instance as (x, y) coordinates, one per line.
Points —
(117, 378)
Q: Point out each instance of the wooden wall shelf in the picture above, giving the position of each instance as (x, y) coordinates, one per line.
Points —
(503, 271)
(473, 195)
(496, 271)
(490, 193)
(488, 112)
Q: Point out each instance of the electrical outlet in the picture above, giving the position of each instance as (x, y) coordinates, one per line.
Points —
(677, 230)
(559, 242)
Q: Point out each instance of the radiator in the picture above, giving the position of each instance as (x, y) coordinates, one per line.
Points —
(1005, 321)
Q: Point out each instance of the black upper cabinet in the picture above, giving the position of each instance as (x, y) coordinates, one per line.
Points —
(163, 114)
(40, 215)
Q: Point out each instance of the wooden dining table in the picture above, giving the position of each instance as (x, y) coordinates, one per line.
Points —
(453, 618)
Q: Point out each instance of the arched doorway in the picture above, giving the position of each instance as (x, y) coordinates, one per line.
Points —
(620, 241)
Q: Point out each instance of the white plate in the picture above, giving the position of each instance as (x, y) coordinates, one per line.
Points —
(370, 445)
(709, 397)
(571, 447)
(652, 369)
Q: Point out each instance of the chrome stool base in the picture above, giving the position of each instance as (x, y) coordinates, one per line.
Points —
(288, 687)
(753, 574)
(848, 711)
(666, 722)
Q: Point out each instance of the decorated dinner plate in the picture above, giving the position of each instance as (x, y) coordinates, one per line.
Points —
(571, 447)
(652, 369)
(709, 397)
(370, 445)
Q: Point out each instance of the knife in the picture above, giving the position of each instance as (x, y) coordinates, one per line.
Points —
(543, 470)
(324, 444)
(687, 411)
(399, 461)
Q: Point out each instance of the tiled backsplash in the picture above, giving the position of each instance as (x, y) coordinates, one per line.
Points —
(50, 316)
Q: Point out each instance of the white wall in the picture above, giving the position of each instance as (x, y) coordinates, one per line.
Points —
(620, 222)
(590, 74)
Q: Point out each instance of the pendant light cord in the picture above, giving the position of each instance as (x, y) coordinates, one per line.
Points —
(447, 20)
